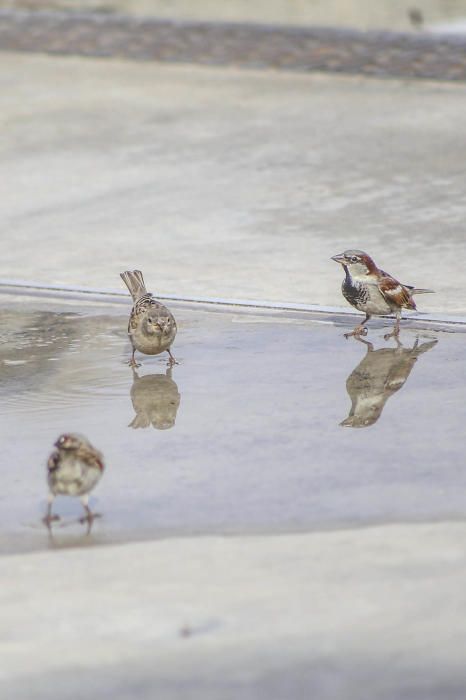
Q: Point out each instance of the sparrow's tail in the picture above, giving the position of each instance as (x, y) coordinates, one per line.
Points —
(421, 291)
(135, 283)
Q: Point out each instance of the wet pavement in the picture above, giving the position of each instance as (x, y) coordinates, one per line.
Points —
(285, 509)
(272, 422)
(277, 490)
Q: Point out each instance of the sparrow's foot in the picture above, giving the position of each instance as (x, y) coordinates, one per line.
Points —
(49, 519)
(394, 334)
(358, 331)
(132, 363)
(171, 360)
(89, 517)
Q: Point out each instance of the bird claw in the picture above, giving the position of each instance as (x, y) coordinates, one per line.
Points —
(360, 330)
(89, 518)
(393, 334)
(133, 363)
(49, 519)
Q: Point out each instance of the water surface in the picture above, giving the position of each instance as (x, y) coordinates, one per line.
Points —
(272, 422)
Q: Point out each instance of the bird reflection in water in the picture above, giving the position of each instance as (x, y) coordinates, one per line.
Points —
(155, 400)
(379, 375)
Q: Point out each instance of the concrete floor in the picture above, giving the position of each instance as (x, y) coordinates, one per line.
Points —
(347, 614)
(228, 183)
(236, 184)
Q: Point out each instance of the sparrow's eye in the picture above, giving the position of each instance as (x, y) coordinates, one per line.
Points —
(149, 319)
(354, 258)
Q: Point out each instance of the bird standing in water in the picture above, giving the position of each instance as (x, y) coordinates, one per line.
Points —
(151, 327)
(73, 469)
(373, 291)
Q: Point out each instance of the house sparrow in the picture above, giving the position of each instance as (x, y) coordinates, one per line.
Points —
(155, 400)
(379, 375)
(73, 469)
(151, 327)
(373, 291)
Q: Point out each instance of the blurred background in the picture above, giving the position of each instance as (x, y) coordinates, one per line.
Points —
(442, 15)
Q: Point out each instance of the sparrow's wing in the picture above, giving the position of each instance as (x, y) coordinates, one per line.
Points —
(53, 461)
(91, 456)
(394, 292)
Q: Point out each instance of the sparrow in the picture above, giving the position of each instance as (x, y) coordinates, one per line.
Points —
(151, 327)
(374, 291)
(155, 400)
(73, 469)
(379, 375)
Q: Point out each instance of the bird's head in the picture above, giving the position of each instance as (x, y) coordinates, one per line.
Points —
(158, 325)
(70, 441)
(357, 262)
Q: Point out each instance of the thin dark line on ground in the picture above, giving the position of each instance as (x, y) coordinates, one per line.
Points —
(335, 314)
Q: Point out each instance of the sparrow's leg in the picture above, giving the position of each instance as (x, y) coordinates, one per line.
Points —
(132, 362)
(359, 330)
(172, 361)
(396, 328)
(49, 518)
(90, 516)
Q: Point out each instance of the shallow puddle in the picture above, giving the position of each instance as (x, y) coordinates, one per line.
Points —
(272, 422)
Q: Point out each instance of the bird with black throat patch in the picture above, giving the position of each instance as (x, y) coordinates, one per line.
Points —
(373, 291)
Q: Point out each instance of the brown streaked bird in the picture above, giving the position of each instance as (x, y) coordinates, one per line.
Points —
(379, 375)
(152, 327)
(373, 291)
(73, 469)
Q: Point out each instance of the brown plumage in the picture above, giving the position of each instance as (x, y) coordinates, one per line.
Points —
(73, 469)
(152, 327)
(373, 291)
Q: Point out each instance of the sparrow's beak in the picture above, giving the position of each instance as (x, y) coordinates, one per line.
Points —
(339, 258)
